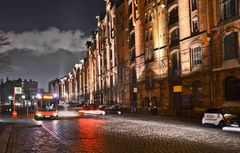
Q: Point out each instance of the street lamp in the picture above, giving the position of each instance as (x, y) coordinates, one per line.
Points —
(10, 98)
(23, 98)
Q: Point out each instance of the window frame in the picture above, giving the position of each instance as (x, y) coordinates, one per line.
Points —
(194, 5)
(226, 11)
(236, 45)
(196, 55)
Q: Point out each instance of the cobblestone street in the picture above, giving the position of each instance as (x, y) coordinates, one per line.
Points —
(114, 134)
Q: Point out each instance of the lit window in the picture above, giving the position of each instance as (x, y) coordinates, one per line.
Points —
(230, 46)
(196, 56)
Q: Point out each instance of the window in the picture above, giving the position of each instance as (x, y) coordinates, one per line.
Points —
(230, 46)
(150, 17)
(151, 34)
(148, 54)
(173, 16)
(197, 93)
(195, 25)
(146, 18)
(175, 37)
(232, 88)
(228, 8)
(146, 36)
(196, 56)
(175, 64)
(145, 3)
(194, 5)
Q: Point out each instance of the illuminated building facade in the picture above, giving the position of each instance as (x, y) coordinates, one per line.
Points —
(180, 57)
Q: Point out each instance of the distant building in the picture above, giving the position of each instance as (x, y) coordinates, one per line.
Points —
(29, 88)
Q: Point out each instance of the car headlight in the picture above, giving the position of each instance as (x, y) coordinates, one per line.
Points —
(55, 114)
(39, 114)
(103, 112)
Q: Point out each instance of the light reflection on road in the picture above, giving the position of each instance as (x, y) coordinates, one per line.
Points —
(90, 137)
(84, 133)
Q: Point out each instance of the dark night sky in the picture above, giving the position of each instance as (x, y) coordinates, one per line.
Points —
(47, 36)
(22, 15)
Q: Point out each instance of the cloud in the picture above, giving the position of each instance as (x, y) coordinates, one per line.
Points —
(47, 41)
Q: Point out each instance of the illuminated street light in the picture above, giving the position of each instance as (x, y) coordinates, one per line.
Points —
(10, 98)
(55, 95)
(23, 96)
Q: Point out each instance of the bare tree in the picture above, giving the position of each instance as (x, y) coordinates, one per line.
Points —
(4, 58)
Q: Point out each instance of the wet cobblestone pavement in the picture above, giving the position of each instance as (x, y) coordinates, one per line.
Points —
(113, 134)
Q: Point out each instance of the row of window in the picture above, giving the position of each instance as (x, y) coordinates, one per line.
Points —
(230, 51)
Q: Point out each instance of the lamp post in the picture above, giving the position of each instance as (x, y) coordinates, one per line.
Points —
(23, 98)
(10, 98)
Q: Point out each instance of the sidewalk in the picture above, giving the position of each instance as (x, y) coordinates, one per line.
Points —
(6, 125)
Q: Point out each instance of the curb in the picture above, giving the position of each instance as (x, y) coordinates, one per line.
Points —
(5, 135)
(4, 139)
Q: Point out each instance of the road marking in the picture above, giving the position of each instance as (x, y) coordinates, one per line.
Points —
(59, 138)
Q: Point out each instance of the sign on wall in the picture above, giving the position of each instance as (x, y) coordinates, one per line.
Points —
(18, 90)
(177, 88)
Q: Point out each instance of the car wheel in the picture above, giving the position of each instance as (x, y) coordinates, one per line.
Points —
(221, 124)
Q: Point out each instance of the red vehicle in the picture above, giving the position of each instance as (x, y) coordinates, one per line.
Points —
(90, 110)
(46, 106)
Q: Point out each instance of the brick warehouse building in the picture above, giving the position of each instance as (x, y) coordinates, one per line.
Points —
(180, 56)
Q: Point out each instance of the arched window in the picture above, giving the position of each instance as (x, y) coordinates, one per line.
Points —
(196, 53)
(173, 16)
(230, 46)
(175, 37)
(232, 89)
(197, 93)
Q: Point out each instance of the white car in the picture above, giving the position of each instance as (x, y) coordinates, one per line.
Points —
(216, 116)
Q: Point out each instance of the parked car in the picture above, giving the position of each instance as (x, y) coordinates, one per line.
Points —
(111, 109)
(216, 116)
(233, 121)
(90, 110)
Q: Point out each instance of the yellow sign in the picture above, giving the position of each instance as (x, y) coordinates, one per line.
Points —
(47, 97)
(177, 88)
